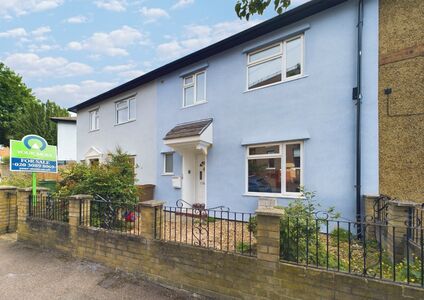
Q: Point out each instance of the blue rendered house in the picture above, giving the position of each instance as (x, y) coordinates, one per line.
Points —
(262, 113)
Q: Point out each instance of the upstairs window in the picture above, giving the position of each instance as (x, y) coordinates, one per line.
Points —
(275, 169)
(276, 63)
(94, 120)
(194, 89)
(125, 110)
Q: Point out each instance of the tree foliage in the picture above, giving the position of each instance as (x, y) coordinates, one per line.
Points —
(35, 119)
(21, 113)
(14, 96)
(113, 179)
(247, 8)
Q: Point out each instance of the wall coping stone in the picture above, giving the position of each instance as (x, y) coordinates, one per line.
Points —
(152, 203)
(29, 189)
(265, 211)
(8, 187)
(80, 196)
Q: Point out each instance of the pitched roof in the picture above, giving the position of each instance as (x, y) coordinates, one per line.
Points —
(64, 119)
(291, 16)
(195, 128)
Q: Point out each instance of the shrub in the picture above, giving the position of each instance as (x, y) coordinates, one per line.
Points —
(18, 179)
(112, 180)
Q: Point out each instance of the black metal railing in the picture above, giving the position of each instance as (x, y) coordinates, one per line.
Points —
(117, 216)
(47, 207)
(379, 251)
(216, 228)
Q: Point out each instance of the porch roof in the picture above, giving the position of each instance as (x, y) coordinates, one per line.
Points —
(189, 129)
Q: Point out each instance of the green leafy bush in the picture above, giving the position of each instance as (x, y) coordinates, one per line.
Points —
(18, 179)
(113, 179)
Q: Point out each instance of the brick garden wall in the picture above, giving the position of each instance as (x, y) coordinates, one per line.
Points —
(8, 211)
(205, 271)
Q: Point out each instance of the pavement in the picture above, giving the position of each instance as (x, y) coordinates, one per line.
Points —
(31, 273)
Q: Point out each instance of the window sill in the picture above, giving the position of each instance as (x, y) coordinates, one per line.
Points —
(117, 124)
(198, 103)
(269, 195)
(94, 130)
(167, 174)
(276, 83)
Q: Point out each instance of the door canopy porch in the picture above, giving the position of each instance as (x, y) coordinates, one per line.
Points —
(192, 136)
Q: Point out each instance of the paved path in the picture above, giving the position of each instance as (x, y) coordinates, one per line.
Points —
(29, 273)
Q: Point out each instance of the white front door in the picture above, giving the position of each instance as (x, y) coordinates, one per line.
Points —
(200, 180)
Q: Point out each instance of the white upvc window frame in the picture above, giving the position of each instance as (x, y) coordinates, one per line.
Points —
(281, 155)
(164, 163)
(127, 101)
(94, 112)
(282, 54)
(193, 84)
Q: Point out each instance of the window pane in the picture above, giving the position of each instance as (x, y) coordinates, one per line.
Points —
(264, 175)
(274, 149)
(293, 168)
(293, 54)
(265, 73)
(200, 87)
(188, 80)
(169, 163)
(132, 109)
(265, 53)
(94, 120)
(122, 115)
(188, 96)
(121, 104)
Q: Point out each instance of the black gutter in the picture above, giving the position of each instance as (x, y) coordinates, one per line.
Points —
(358, 115)
(296, 14)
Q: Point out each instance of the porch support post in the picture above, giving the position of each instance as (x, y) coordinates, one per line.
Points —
(268, 234)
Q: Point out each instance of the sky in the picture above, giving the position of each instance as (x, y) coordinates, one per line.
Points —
(71, 50)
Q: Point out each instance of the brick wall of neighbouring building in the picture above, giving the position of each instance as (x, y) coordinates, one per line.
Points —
(401, 113)
(205, 271)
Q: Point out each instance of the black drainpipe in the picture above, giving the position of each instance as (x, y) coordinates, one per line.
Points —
(358, 98)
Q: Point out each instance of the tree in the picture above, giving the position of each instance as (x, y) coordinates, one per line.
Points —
(246, 8)
(14, 96)
(35, 119)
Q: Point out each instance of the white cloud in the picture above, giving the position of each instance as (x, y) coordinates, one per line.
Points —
(182, 3)
(76, 20)
(153, 14)
(23, 7)
(70, 94)
(131, 74)
(41, 31)
(42, 47)
(32, 65)
(112, 5)
(118, 68)
(196, 37)
(14, 33)
(113, 43)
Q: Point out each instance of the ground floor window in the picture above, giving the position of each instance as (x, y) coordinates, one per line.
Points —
(275, 169)
(168, 163)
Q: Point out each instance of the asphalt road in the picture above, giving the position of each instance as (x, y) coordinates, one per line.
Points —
(30, 273)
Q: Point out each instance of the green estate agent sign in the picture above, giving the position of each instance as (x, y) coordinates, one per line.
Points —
(33, 154)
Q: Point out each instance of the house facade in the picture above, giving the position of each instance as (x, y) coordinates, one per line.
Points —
(260, 114)
(66, 139)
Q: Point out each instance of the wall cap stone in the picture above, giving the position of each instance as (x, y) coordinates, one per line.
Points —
(152, 203)
(29, 189)
(274, 212)
(8, 187)
(80, 196)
